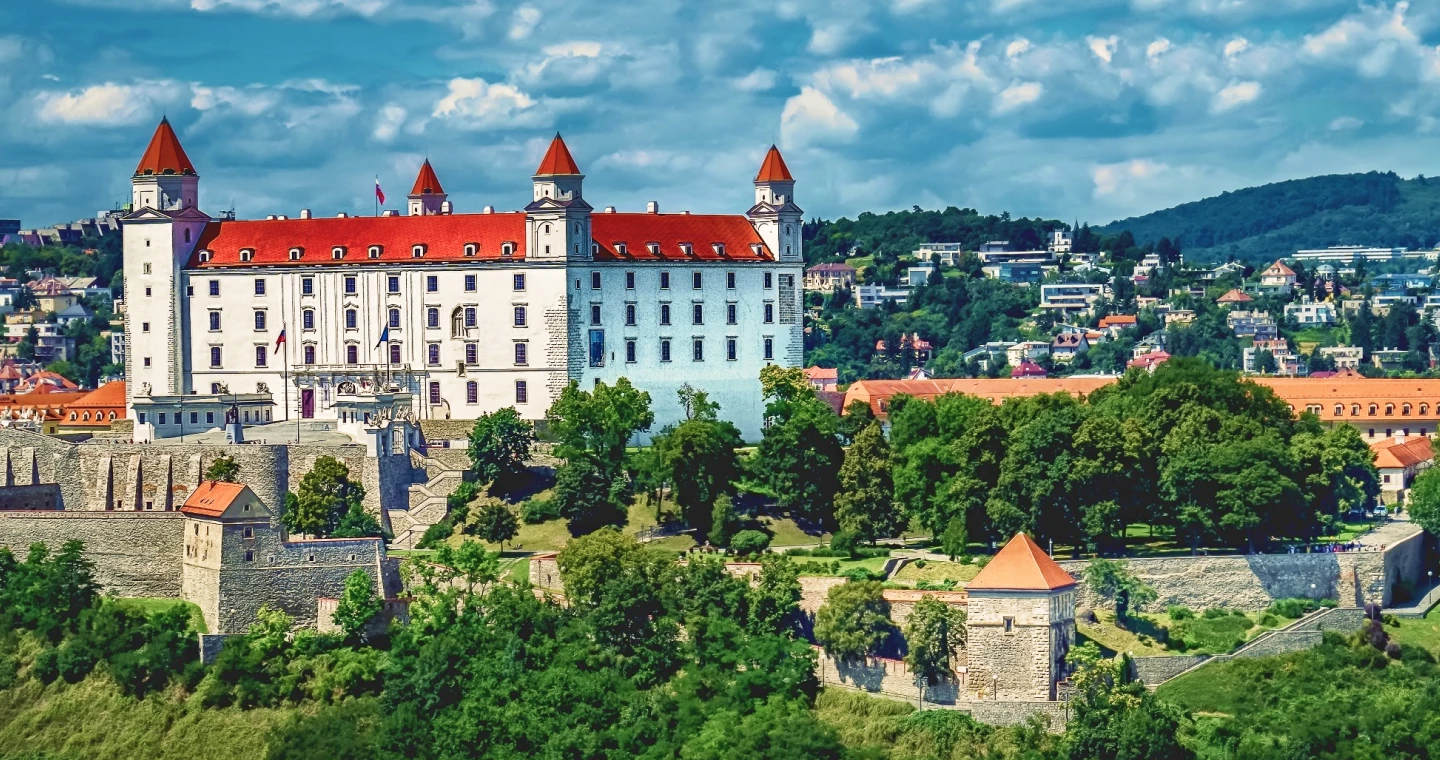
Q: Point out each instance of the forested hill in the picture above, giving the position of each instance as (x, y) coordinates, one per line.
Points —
(1258, 224)
(893, 233)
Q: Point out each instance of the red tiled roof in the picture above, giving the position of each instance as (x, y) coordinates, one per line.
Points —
(212, 498)
(164, 155)
(822, 373)
(1117, 320)
(48, 286)
(444, 238)
(1021, 566)
(735, 233)
(774, 168)
(831, 267)
(1279, 268)
(1234, 295)
(557, 160)
(1390, 454)
(1149, 360)
(426, 183)
(1028, 368)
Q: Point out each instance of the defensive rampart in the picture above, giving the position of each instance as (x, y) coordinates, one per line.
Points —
(135, 553)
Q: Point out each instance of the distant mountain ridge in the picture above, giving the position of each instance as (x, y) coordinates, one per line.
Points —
(1259, 224)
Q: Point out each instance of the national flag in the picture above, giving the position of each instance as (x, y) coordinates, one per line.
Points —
(279, 340)
(384, 336)
(379, 194)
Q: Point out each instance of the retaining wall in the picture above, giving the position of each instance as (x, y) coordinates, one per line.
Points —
(1053, 714)
(1157, 670)
(135, 553)
(881, 675)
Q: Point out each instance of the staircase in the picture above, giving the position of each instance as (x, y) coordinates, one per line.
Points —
(426, 506)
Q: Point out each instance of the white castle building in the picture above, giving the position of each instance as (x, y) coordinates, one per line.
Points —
(450, 315)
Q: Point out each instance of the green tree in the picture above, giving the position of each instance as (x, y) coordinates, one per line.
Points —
(723, 521)
(865, 503)
(497, 524)
(749, 542)
(697, 457)
(25, 349)
(934, 634)
(329, 504)
(799, 459)
(223, 469)
(1424, 504)
(955, 542)
(499, 445)
(779, 729)
(599, 422)
(854, 620)
(358, 604)
(1335, 471)
(585, 497)
(775, 597)
(1113, 580)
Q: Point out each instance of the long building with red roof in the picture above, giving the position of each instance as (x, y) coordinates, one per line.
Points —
(467, 312)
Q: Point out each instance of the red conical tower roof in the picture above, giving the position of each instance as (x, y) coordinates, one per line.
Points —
(165, 156)
(427, 183)
(774, 168)
(557, 160)
(1021, 566)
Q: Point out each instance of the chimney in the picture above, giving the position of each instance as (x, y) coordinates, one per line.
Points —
(609, 209)
(342, 215)
(488, 210)
(269, 217)
(304, 213)
(1400, 438)
(652, 207)
(446, 209)
(390, 212)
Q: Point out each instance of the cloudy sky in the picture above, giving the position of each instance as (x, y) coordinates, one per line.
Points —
(1088, 109)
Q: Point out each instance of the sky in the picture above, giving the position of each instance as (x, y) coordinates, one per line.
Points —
(1086, 110)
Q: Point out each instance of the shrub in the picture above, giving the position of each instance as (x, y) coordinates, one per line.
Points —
(844, 541)
(1293, 608)
(748, 542)
(859, 574)
(920, 563)
(982, 560)
(1329, 604)
(1390, 620)
(1215, 613)
(1269, 620)
(1178, 612)
(9, 670)
(435, 534)
(536, 511)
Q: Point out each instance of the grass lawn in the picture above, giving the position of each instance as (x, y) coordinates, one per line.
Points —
(1422, 632)
(1212, 635)
(936, 572)
(819, 566)
(1115, 639)
(1213, 690)
(861, 263)
(148, 605)
(785, 532)
(515, 569)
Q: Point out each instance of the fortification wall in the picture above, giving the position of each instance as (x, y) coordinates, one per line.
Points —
(545, 573)
(135, 553)
(43, 496)
(1157, 670)
(1004, 713)
(881, 675)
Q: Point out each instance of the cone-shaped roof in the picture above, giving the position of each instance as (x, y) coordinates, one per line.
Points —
(774, 168)
(427, 183)
(557, 160)
(164, 155)
(1021, 566)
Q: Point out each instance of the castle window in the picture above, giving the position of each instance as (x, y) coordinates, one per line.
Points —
(519, 283)
(1009, 625)
(351, 319)
(271, 559)
(719, 248)
(307, 319)
(472, 353)
(472, 392)
(246, 254)
(309, 356)
(507, 249)
(469, 283)
(629, 280)
(731, 313)
(187, 234)
(654, 248)
(687, 249)
(470, 316)
(112, 419)
(310, 558)
(375, 251)
(351, 557)
(214, 287)
(664, 280)
(1405, 409)
(594, 313)
(471, 249)
(522, 393)
(259, 286)
(215, 356)
(392, 284)
(1339, 409)
(204, 257)
(664, 313)
(620, 248)
(696, 280)
(395, 353)
(432, 284)
(594, 280)
(352, 354)
(522, 353)
(432, 352)
(434, 393)
(769, 349)
(260, 319)
(394, 318)
(630, 351)
(594, 249)
(249, 556)
(664, 349)
(249, 532)
(1389, 409)
(731, 349)
(307, 286)
(769, 280)
(417, 251)
(698, 350)
(338, 252)
(519, 316)
(1374, 409)
(730, 280)
(350, 285)
(296, 253)
(432, 318)
(260, 356)
(1354, 410)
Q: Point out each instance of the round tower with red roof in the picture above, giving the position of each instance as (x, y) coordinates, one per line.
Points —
(775, 215)
(558, 220)
(427, 197)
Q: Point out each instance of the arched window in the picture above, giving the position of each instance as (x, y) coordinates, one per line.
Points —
(1374, 410)
(351, 319)
(508, 249)
(338, 252)
(457, 323)
(1405, 409)
(1389, 409)
(433, 353)
(417, 251)
(112, 416)
(375, 251)
(471, 249)
(72, 415)
(1424, 409)
(1339, 410)
(394, 318)
(472, 392)
(432, 318)
(1354, 410)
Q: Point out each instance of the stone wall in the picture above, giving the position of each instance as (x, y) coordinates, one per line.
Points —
(1405, 566)
(545, 572)
(881, 675)
(1003, 713)
(44, 496)
(1157, 670)
(135, 553)
(291, 576)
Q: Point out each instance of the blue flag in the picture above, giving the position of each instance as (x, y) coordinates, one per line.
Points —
(384, 336)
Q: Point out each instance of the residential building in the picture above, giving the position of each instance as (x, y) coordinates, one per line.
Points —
(918, 274)
(823, 378)
(1349, 254)
(989, 353)
(1277, 276)
(1399, 460)
(1278, 349)
(1027, 370)
(1071, 299)
(1022, 273)
(827, 278)
(1224, 270)
(1115, 323)
(78, 312)
(1388, 359)
(1179, 317)
(870, 296)
(1028, 350)
(946, 254)
(1380, 304)
(1346, 357)
(95, 411)
(919, 349)
(1149, 344)
(1252, 324)
(449, 315)
(1234, 297)
(52, 294)
(1061, 241)
(1066, 346)
(1148, 361)
(1308, 312)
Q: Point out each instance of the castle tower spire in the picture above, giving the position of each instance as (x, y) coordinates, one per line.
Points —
(775, 216)
(558, 218)
(427, 197)
(165, 180)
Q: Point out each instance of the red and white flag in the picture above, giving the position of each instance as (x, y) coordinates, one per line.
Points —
(379, 194)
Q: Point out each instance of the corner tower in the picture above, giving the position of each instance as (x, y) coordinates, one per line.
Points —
(558, 219)
(158, 237)
(776, 217)
(427, 197)
(1021, 624)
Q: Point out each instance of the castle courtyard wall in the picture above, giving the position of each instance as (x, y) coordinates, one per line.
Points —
(136, 554)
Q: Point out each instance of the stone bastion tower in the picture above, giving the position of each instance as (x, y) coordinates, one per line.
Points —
(1021, 624)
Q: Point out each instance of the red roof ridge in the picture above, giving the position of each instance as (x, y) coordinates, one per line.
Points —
(211, 498)
(164, 154)
(557, 160)
(774, 169)
(1021, 566)
(426, 183)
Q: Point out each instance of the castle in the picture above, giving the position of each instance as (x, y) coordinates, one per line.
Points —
(456, 314)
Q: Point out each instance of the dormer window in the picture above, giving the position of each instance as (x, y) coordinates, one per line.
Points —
(719, 248)
(205, 256)
(687, 249)
(507, 249)
(620, 249)
(756, 248)
(296, 253)
(417, 251)
(375, 251)
(654, 248)
(471, 249)
(338, 252)
(246, 254)
(594, 249)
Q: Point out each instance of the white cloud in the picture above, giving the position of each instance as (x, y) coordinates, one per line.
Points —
(810, 117)
(483, 105)
(1103, 47)
(523, 22)
(758, 80)
(108, 104)
(1017, 95)
(301, 8)
(388, 123)
(1110, 179)
(1016, 48)
(248, 101)
(1157, 48)
(1234, 95)
(1236, 47)
(1345, 123)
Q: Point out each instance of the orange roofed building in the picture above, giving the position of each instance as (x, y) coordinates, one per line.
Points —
(1020, 624)
(1399, 460)
(96, 410)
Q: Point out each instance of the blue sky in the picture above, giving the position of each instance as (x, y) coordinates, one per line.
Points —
(1088, 109)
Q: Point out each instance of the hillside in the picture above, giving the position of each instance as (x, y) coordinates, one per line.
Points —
(1258, 224)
